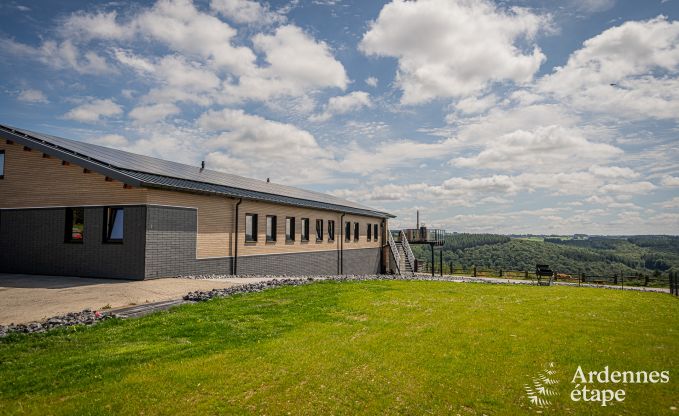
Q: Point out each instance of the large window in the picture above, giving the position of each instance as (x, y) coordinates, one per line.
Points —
(271, 228)
(319, 230)
(357, 230)
(114, 220)
(347, 231)
(331, 230)
(290, 229)
(375, 233)
(75, 225)
(305, 229)
(2, 164)
(250, 228)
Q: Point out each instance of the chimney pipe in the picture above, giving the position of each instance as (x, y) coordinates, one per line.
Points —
(418, 219)
(268, 180)
(202, 165)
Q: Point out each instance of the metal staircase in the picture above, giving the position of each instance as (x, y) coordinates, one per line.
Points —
(400, 249)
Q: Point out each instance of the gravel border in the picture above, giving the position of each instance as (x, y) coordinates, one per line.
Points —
(85, 317)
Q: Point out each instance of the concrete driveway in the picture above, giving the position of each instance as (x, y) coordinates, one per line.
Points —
(27, 298)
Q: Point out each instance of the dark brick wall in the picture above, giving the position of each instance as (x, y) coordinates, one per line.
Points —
(362, 261)
(32, 242)
(291, 264)
(171, 245)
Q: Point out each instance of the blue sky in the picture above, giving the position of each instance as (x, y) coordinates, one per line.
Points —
(508, 117)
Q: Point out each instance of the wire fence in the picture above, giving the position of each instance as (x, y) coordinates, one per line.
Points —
(668, 279)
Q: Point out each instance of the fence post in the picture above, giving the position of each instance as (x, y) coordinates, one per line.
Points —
(646, 280)
(526, 274)
(622, 281)
(474, 271)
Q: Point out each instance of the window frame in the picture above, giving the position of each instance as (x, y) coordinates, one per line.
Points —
(369, 232)
(290, 238)
(357, 231)
(331, 230)
(376, 232)
(304, 237)
(69, 223)
(4, 162)
(319, 238)
(254, 221)
(347, 231)
(274, 232)
(108, 225)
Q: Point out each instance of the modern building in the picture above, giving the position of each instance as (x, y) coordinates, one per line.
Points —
(71, 208)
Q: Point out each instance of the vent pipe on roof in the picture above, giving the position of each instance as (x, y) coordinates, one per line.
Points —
(202, 165)
(418, 219)
(268, 180)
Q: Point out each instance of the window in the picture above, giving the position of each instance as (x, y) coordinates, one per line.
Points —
(114, 220)
(347, 231)
(357, 230)
(2, 164)
(319, 230)
(375, 233)
(290, 229)
(271, 228)
(305, 229)
(250, 227)
(331, 230)
(75, 225)
(369, 233)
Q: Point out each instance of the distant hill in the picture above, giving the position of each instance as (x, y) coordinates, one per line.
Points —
(593, 256)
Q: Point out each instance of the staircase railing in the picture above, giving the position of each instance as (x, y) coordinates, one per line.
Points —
(394, 251)
(410, 257)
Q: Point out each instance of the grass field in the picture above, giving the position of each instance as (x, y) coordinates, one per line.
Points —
(382, 347)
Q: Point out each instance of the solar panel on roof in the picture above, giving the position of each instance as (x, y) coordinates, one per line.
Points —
(178, 175)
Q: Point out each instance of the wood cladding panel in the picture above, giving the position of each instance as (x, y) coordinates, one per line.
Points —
(33, 181)
(261, 246)
(215, 219)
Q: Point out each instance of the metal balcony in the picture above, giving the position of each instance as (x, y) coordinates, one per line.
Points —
(422, 235)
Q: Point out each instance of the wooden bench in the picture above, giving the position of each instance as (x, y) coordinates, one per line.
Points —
(543, 271)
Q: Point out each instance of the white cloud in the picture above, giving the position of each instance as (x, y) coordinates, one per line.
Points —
(475, 105)
(257, 142)
(94, 110)
(371, 81)
(613, 172)
(593, 6)
(32, 96)
(540, 148)
(59, 55)
(630, 71)
(670, 181)
(454, 48)
(343, 104)
(246, 11)
(111, 140)
(152, 113)
(100, 25)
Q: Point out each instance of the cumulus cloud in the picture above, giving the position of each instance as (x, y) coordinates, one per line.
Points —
(246, 11)
(257, 142)
(59, 55)
(454, 48)
(629, 70)
(152, 113)
(371, 81)
(94, 111)
(543, 147)
(670, 181)
(32, 96)
(343, 104)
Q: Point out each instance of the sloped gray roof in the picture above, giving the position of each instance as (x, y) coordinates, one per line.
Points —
(140, 170)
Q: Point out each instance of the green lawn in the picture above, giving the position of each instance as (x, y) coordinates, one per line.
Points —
(381, 347)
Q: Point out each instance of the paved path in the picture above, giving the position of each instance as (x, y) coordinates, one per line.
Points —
(28, 298)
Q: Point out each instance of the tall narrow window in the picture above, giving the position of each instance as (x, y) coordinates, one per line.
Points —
(375, 233)
(2, 164)
(331, 230)
(305, 229)
(290, 229)
(369, 233)
(114, 221)
(347, 231)
(319, 230)
(271, 228)
(75, 225)
(357, 230)
(250, 228)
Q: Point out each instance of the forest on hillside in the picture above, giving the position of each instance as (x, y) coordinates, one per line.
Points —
(633, 255)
